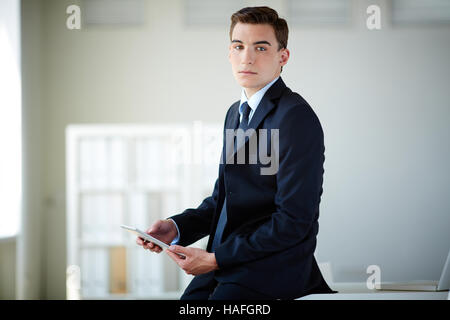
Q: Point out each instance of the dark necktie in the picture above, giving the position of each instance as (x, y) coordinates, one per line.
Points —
(245, 114)
(223, 214)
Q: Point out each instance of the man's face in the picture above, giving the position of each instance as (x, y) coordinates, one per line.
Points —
(254, 56)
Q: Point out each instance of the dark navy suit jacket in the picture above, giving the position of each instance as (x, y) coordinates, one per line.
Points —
(272, 220)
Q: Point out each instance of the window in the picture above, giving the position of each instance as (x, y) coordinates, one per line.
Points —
(133, 175)
(113, 12)
(10, 119)
(319, 13)
(210, 12)
(431, 12)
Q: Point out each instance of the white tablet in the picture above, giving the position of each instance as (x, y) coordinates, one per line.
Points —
(145, 236)
(148, 237)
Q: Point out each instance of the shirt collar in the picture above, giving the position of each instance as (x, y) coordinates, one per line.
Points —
(256, 98)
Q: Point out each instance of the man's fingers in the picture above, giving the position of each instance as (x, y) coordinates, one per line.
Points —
(174, 256)
(181, 252)
(180, 249)
(150, 246)
(153, 247)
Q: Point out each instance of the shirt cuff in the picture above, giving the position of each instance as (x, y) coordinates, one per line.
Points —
(177, 238)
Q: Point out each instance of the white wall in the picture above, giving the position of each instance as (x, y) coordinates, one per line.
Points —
(384, 103)
(382, 98)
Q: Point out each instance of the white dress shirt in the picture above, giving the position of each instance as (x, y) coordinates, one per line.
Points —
(254, 100)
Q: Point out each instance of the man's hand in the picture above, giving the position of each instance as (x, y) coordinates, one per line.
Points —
(163, 230)
(197, 261)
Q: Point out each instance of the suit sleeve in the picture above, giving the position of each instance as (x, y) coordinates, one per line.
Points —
(195, 224)
(299, 187)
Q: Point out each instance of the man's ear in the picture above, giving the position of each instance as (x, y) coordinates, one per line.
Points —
(284, 56)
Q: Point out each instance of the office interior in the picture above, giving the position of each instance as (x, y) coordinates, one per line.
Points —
(90, 116)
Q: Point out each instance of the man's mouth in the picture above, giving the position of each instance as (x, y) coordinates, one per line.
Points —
(247, 72)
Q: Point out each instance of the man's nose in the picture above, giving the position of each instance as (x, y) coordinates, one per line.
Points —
(248, 56)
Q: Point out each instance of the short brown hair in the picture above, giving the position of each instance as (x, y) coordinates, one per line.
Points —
(262, 15)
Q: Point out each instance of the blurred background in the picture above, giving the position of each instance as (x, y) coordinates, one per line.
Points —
(119, 121)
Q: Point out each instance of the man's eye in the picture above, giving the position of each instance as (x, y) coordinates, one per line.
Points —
(238, 47)
(261, 49)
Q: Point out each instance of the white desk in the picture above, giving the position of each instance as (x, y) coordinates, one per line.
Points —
(359, 291)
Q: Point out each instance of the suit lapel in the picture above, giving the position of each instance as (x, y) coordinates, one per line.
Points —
(234, 119)
(265, 106)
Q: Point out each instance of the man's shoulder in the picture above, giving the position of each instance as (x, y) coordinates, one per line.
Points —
(293, 110)
(292, 103)
(233, 108)
(234, 105)
(292, 99)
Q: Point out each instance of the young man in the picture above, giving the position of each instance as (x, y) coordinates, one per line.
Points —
(262, 227)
